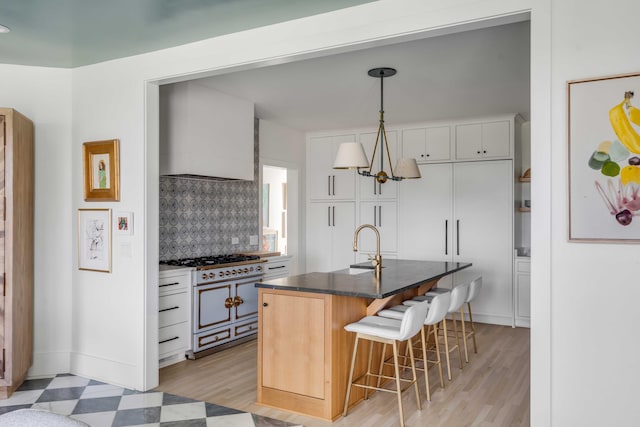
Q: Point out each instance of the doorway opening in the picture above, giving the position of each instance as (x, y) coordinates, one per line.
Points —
(274, 209)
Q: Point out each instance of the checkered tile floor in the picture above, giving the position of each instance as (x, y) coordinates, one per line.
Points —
(99, 404)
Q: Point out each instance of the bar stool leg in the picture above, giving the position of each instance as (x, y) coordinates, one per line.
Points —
(473, 329)
(415, 375)
(438, 358)
(464, 335)
(349, 385)
(398, 386)
(455, 333)
(382, 359)
(445, 334)
(366, 390)
(425, 362)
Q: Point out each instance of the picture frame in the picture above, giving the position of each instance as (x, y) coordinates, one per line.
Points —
(101, 160)
(94, 240)
(124, 223)
(603, 152)
(269, 240)
(265, 205)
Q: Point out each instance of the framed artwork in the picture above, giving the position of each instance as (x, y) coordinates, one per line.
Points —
(124, 223)
(604, 159)
(101, 171)
(94, 239)
(265, 205)
(269, 240)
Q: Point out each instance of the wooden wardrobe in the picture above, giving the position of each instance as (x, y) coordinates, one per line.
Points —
(16, 248)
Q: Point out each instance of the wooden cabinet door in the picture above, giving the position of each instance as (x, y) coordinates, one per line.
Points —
(293, 352)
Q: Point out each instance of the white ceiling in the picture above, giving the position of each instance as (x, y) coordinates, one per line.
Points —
(463, 74)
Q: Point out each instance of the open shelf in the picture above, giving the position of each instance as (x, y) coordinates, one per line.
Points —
(523, 179)
(524, 209)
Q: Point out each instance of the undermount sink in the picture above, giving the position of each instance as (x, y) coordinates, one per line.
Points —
(358, 270)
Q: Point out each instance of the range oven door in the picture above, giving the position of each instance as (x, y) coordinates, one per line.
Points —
(209, 309)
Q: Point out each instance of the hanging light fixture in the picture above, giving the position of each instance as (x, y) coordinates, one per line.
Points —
(351, 155)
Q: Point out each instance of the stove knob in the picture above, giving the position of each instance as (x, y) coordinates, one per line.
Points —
(259, 268)
(233, 271)
(204, 276)
(212, 275)
(227, 273)
(221, 274)
(246, 270)
(251, 269)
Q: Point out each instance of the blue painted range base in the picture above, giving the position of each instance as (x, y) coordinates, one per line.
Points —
(99, 404)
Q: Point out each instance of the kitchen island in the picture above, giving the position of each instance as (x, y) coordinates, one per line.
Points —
(303, 349)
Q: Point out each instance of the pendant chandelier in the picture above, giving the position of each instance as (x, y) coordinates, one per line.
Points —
(351, 155)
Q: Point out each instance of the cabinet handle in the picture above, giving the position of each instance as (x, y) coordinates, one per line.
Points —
(334, 216)
(328, 185)
(428, 155)
(380, 216)
(167, 340)
(237, 301)
(458, 236)
(329, 216)
(264, 304)
(484, 151)
(375, 187)
(333, 187)
(170, 308)
(446, 237)
(169, 284)
(228, 303)
(273, 268)
(375, 217)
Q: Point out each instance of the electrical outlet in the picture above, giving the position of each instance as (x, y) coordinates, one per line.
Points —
(235, 240)
(253, 240)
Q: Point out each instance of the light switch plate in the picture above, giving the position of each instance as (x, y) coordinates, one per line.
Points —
(253, 240)
(235, 240)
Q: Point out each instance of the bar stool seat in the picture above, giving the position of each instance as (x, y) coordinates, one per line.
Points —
(438, 307)
(386, 331)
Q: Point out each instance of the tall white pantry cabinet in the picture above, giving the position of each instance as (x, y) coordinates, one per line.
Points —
(462, 209)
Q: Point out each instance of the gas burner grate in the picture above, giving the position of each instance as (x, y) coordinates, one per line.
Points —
(210, 260)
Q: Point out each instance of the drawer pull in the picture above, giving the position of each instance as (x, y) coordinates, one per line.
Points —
(280, 266)
(170, 308)
(167, 340)
(169, 284)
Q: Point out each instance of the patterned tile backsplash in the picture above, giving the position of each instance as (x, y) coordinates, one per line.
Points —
(199, 217)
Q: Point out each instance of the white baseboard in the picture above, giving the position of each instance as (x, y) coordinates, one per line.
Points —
(109, 371)
(50, 364)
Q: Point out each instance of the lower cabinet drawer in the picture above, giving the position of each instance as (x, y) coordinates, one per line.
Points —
(246, 328)
(212, 338)
(172, 338)
(173, 309)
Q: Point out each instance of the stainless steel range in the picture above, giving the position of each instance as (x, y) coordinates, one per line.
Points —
(225, 300)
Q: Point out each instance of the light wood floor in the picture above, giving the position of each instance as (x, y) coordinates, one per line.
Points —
(491, 390)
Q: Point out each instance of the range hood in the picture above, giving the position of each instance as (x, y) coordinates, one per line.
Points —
(205, 134)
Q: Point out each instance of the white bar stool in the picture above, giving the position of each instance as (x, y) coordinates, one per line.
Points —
(387, 331)
(474, 290)
(458, 297)
(438, 308)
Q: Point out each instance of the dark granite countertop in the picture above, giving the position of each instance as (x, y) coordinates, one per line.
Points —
(398, 275)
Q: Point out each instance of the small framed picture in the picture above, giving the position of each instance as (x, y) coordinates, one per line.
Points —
(94, 240)
(101, 171)
(124, 223)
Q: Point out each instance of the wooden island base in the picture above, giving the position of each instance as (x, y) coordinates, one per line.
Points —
(304, 353)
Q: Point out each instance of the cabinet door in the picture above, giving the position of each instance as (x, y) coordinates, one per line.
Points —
(293, 344)
(369, 187)
(343, 226)
(483, 140)
(383, 215)
(424, 215)
(427, 144)
(324, 181)
(483, 233)
(319, 236)
(248, 294)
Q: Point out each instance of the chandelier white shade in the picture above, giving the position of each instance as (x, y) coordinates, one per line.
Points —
(350, 155)
(407, 169)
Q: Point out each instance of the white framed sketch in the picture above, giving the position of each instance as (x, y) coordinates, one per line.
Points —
(94, 240)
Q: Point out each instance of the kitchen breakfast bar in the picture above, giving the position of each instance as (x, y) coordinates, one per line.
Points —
(303, 349)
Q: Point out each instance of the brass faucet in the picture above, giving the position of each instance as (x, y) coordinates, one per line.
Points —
(377, 261)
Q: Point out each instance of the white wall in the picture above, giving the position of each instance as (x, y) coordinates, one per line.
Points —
(594, 350)
(44, 95)
(584, 369)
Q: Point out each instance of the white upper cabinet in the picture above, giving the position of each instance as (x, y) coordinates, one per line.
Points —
(326, 183)
(205, 133)
(486, 140)
(427, 144)
(369, 187)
